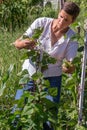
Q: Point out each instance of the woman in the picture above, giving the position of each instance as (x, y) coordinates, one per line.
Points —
(56, 40)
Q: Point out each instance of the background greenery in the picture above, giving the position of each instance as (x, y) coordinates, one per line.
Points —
(15, 17)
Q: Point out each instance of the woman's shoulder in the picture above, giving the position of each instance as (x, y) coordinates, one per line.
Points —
(44, 19)
(70, 32)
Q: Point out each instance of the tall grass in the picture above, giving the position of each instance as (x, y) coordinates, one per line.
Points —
(9, 55)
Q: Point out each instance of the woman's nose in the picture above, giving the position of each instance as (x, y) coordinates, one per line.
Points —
(61, 20)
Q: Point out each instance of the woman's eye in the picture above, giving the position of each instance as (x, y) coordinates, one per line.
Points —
(61, 16)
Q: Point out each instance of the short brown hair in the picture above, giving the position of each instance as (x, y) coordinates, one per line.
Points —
(72, 9)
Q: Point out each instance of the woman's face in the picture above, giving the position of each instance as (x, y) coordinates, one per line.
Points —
(64, 20)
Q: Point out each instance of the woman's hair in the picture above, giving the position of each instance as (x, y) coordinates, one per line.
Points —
(72, 9)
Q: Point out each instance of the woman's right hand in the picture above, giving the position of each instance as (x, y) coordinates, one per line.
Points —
(25, 43)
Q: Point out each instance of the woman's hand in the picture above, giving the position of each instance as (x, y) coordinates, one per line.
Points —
(25, 43)
(68, 67)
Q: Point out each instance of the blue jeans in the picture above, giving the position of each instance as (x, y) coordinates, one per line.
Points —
(55, 82)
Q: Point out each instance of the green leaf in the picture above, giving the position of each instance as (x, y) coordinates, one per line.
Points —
(37, 33)
(53, 91)
(2, 88)
(76, 60)
(37, 75)
(24, 79)
(80, 49)
(7, 74)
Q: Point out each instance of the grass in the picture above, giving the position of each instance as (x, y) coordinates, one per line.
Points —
(9, 55)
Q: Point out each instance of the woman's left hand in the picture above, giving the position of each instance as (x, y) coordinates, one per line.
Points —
(68, 68)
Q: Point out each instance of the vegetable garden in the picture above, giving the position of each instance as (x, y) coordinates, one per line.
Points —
(15, 17)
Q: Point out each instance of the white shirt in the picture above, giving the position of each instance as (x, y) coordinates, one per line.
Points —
(63, 48)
